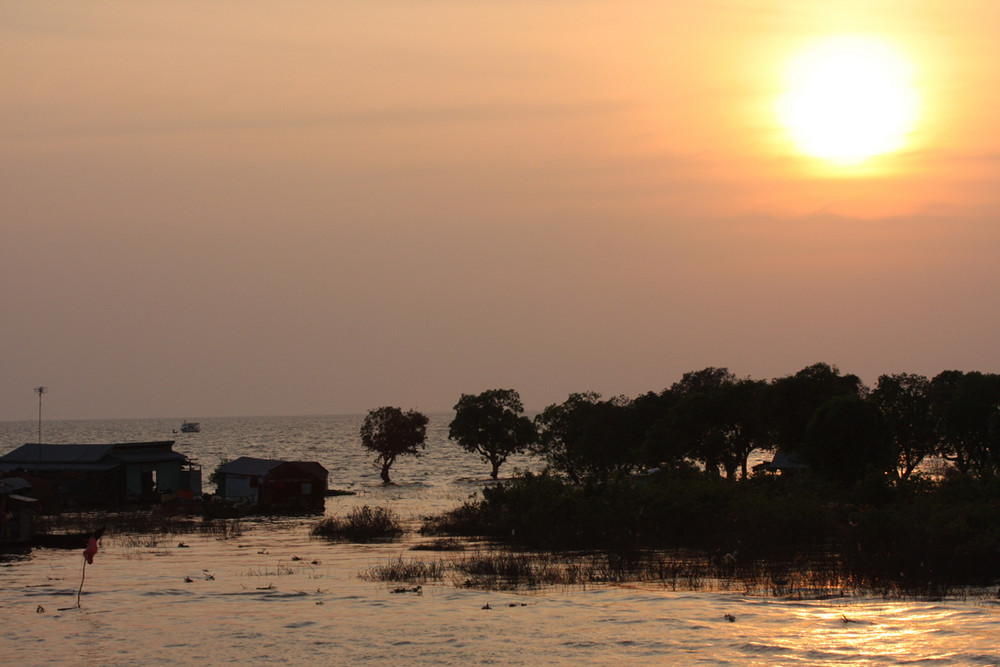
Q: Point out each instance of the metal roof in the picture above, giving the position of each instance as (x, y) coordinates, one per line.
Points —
(31, 466)
(253, 467)
(96, 457)
(139, 452)
(249, 466)
(36, 453)
(9, 485)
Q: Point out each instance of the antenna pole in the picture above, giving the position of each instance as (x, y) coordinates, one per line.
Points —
(40, 391)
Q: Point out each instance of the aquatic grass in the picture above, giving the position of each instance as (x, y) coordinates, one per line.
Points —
(149, 522)
(879, 535)
(406, 571)
(440, 544)
(263, 571)
(139, 541)
(499, 569)
(362, 524)
(223, 529)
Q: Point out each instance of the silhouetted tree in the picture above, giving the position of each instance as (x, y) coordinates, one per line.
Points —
(791, 402)
(847, 440)
(905, 402)
(700, 421)
(651, 414)
(492, 425)
(965, 405)
(715, 420)
(389, 433)
(747, 428)
(585, 437)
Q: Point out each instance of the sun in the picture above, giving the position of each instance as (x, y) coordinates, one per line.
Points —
(849, 99)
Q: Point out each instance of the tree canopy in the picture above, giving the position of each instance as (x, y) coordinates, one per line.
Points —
(847, 440)
(587, 437)
(905, 402)
(715, 419)
(492, 425)
(389, 433)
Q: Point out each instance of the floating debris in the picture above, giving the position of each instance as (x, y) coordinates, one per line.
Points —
(419, 590)
(730, 618)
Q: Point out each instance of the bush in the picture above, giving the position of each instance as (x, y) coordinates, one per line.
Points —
(363, 524)
(914, 534)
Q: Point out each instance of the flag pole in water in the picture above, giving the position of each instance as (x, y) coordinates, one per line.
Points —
(88, 557)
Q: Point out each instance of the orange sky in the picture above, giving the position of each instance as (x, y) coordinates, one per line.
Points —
(237, 208)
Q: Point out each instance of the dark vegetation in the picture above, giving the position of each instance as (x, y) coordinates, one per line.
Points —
(362, 524)
(916, 534)
(668, 471)
(389, 433)
(492, 425)
(121, 524)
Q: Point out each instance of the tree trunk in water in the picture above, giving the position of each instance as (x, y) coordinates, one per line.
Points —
(385, 473)
(496, 469)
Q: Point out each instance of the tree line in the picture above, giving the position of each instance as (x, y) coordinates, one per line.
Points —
(834, 424)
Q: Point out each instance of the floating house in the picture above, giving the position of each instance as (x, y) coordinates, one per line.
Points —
(268, 484)
(15, 512)
(112, 476)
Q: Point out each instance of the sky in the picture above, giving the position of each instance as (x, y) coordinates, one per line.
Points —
(236, 208)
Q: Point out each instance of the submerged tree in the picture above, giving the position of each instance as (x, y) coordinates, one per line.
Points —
(492, 425)
(389, 432)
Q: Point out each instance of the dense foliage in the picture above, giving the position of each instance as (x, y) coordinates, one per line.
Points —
(389, 433)
(362, 524)
(492, 425)
(831, 422)
(669, 470)
(914, 533)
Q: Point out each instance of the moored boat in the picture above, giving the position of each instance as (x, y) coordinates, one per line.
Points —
(65, 540)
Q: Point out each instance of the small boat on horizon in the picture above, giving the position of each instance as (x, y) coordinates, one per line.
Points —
(190, 427)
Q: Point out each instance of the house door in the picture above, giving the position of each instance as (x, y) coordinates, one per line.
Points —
(148, 487)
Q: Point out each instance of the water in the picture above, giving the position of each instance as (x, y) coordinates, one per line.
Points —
(275, 595)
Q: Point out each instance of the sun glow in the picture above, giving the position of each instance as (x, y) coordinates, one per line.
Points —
(849, 99)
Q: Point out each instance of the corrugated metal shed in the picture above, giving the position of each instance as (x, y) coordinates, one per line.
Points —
(249, 466)
(34, 456)
(139, 452)
(44, 453)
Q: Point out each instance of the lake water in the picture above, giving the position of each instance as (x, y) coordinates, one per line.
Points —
(274, 595)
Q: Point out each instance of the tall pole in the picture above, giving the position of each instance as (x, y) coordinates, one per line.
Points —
(40, 391)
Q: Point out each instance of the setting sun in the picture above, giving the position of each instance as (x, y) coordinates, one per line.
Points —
(848, 99)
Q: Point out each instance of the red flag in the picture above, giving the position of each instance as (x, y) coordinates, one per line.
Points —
(91, 550)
